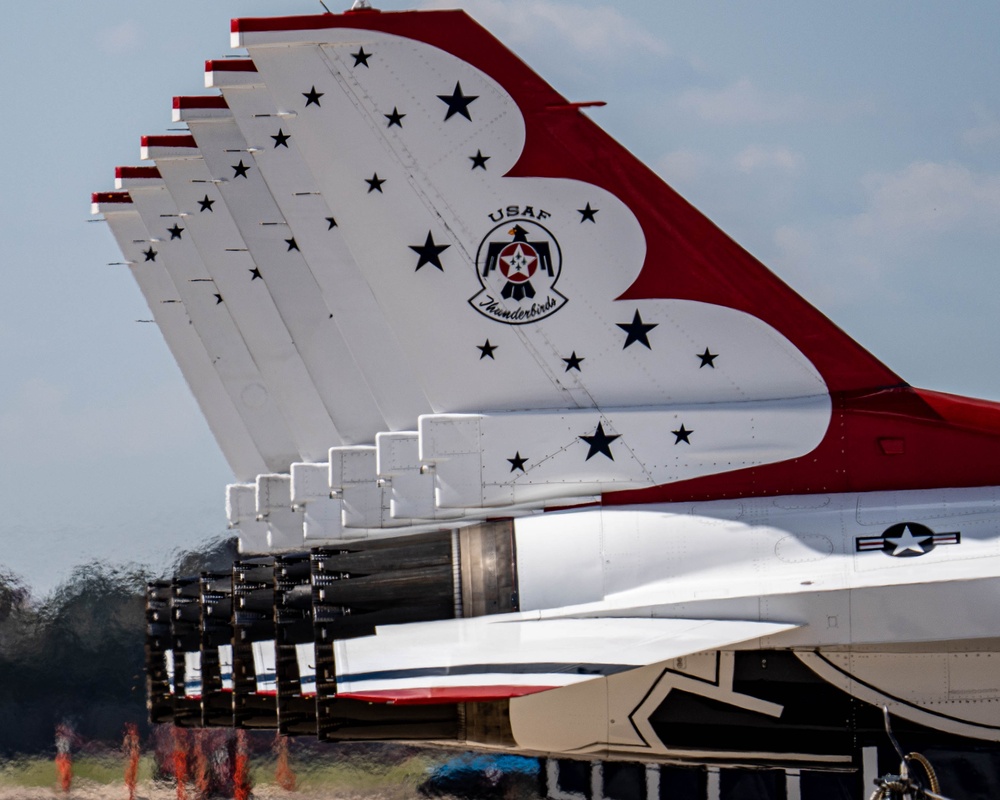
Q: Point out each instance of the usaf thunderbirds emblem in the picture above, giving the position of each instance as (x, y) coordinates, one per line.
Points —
(518, 264)
(906, 540)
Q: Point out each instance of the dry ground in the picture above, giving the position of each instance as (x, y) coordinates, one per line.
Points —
(91, 790)
(102, 779)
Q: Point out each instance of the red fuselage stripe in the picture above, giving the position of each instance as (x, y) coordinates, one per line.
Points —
(443, 694)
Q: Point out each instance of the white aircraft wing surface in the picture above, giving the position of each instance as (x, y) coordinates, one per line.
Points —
(491, 658)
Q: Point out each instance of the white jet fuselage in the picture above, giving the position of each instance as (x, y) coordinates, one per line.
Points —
(891, 595)
(809, 560)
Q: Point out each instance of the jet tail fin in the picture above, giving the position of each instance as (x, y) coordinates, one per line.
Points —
(502, 197)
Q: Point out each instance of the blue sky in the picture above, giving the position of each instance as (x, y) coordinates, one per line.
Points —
(853, 147)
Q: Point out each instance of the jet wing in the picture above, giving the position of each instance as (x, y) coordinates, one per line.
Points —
(505, 656)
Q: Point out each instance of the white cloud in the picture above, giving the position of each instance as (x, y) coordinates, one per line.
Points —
(755, 158)
(684, 166)
(928, 197)
(746, 194)
(756, 175)
(826, 264)
(123, 38)
(600, 31)
(743, 102)
(913, 222)
(983, 133)
(797, 246)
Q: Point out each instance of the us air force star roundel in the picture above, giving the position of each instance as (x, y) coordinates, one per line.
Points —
(518, 264)
(906, 540)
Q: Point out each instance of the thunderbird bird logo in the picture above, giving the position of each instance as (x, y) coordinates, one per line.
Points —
(518, 264)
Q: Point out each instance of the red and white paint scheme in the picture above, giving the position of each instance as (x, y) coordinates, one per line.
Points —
(465, 304)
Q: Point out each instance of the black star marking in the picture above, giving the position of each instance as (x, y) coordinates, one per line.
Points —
(682, 435)
(150, 254)
(429, 252)
(281, 139)
(573, 362)
(487, 350)
(176, 231)
(479, 160)
(707, 359)
(218, 299)
(637, 330)
(361, 58)
(375, 183)
(600, 442)
(255, 272)
(517, 462)
(331, 223)
(240, 170)
(312, 97)
(458, 103)
(292, 244)
(588, 213)
(395, 118)
(206, 204)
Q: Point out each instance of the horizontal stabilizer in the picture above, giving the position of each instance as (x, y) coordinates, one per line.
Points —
(507, 656)
(500, 459)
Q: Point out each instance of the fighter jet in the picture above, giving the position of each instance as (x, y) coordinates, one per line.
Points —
(529, 453)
